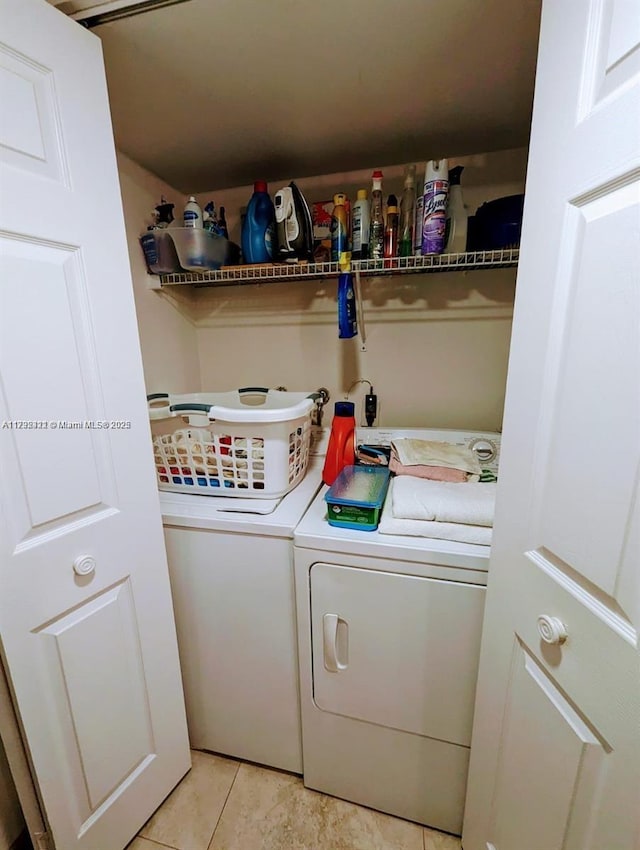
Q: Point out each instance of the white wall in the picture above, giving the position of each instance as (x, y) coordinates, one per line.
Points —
(437, 345)
(11, 819)
(167, 332)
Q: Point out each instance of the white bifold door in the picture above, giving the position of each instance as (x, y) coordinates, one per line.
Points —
(555, 753)
(86, 622)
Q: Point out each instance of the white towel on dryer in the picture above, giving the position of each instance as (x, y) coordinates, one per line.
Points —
(442, 501)
(457, 532)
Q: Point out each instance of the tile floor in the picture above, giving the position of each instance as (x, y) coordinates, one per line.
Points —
(223, 804)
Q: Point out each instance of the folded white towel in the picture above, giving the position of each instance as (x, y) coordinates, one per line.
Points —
(441, 501)
(438, 530)
(436, 453)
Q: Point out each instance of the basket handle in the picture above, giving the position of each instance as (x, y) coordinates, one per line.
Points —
(315, 396)
(158, 411)
(263, 390)
(193, 407)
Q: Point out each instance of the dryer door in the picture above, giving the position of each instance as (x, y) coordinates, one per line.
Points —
(397, 650)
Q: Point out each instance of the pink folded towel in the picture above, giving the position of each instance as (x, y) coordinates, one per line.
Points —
(434, 473)
(433, 460)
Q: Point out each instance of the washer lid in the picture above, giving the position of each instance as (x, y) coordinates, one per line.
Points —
(270, 517)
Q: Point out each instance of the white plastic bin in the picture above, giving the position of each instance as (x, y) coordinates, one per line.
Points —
(198, 249)
(252, 442)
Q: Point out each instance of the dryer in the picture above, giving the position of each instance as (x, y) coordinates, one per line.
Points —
(388, 642)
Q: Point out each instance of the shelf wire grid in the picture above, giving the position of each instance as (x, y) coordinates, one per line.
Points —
(281, 272)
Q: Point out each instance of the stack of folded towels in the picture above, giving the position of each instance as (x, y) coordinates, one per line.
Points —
(438, 491)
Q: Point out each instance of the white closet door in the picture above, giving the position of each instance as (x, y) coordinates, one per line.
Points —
(400, 651)
(85, 610)
(555, 754)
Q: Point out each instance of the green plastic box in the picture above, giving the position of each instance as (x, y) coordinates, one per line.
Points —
(356, 497)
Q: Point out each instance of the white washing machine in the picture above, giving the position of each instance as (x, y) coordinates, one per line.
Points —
(231, 571)
(389, 639)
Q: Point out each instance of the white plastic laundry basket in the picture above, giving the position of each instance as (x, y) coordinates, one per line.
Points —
(252, 442)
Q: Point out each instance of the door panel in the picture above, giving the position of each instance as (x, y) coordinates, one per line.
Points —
(614, 57)
(30, 140)
(86, 621)
(406, 649)
(59, 378)
(591, 368)
(94, 653)
(555, 720)
(555, 755)
(575, 759)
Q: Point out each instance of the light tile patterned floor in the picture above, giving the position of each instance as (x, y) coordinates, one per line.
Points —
(223, 804)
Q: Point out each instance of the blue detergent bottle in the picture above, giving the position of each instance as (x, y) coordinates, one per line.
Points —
(258, 226)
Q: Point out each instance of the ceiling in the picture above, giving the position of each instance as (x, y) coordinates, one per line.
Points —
(210, 94)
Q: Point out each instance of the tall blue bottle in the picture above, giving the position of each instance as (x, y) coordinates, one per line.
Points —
(258, 226)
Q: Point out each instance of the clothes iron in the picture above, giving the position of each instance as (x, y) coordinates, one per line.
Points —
(294, 228)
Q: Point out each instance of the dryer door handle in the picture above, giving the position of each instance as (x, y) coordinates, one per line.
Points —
(330, 642)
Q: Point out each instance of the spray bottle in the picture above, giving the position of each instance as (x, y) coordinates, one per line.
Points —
(407, 212)
(376, 230)
(211, 222)
(417, 225)
(165, 213)
(436, 189)
(222, 224)
(456, 214)
(157, 244)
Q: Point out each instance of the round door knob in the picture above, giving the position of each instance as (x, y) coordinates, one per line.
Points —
(552, 630)
(84, 565)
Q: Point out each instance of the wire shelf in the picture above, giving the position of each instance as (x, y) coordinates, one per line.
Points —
(274, 273)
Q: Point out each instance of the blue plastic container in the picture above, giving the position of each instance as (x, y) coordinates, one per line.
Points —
(258, 226)
(356, 497)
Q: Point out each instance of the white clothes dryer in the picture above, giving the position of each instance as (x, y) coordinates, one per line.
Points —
(388, 640)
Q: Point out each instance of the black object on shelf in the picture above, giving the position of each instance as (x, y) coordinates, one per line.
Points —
(497, 224)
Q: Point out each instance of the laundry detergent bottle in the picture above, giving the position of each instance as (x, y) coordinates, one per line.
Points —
(342, 442)
(258, 226)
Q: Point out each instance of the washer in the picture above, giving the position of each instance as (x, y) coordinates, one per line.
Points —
(231, 571)
(389, 640)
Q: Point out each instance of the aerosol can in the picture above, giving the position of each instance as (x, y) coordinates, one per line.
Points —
(434, 213)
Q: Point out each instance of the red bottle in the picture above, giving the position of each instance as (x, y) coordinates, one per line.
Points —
(342, 442)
